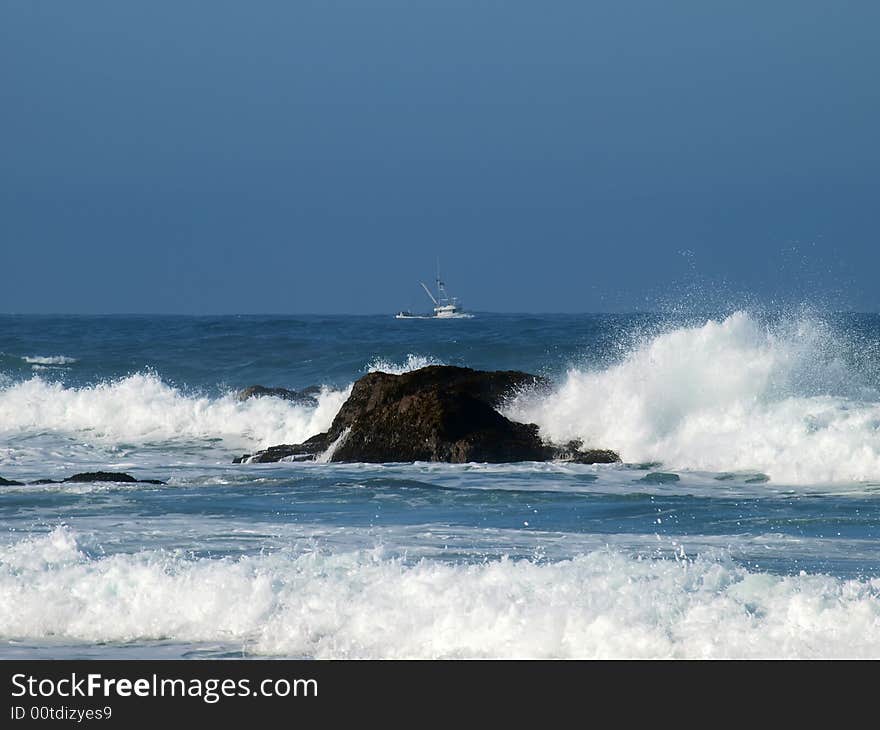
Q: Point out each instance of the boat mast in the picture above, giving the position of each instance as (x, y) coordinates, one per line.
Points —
(441, 289)
(428, 292)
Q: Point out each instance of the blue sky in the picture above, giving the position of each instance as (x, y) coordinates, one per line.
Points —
(317, 156)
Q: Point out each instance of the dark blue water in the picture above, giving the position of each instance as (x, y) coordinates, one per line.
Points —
(296, 352)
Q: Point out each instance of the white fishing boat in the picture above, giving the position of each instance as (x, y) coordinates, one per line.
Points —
(445, 307)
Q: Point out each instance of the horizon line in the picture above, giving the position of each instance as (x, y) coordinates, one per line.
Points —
(427, 316)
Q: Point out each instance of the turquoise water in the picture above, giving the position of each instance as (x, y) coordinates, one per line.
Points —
(743, 521)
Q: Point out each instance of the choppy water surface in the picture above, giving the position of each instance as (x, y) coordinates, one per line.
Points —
(743, 522)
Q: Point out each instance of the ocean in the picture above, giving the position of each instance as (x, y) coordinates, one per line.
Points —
(743, 521)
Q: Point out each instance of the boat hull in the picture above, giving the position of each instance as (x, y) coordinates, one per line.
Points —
(457, 315)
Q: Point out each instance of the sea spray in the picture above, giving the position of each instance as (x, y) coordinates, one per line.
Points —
(412, 362)
(734, 394)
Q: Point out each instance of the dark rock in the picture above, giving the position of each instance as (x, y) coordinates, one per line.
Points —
(593, 456)
(86, 477)
(307, 451)
(574, 452)
(101, 476)
(436, 413)
(9, 483)
(108, 476)
(305, 397)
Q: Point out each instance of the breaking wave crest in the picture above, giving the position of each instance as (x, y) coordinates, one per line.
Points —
(141, 408)
(363, 604)
(412, 362)
(727, 395)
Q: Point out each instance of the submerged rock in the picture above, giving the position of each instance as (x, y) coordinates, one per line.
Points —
(87, 477)
(746, 477)
(306, 397)
(108, 476)
(436, 413)
(660, 477)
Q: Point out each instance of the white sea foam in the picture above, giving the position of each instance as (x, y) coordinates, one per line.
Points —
(332, 448)
(412, 362)
(49, 360)
(141, 408)
(727, 395)
(364, 604)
